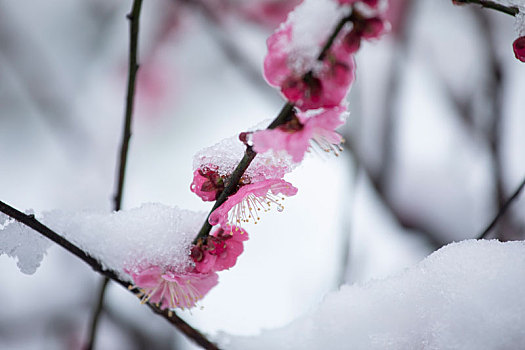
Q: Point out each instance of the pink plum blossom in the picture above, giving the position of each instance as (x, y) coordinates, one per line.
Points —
(296, 135)
(207, 183)
(519, 48)
(216, 163)
(308, 85)
(171, 289)
(249, 200)
(268, 12)
(363, 28)
(220, 250)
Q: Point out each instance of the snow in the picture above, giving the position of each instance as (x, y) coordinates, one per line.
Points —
(24, 245)
(520, 22)
(312, 23)
(467, 295)
(227, 153)
(153, 234)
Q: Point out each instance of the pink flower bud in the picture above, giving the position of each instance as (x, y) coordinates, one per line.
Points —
(372, 28)
(519, 48)
(351, 42)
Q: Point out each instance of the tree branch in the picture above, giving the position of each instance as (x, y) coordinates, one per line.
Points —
(31, 222)
(494, 95)
(133, 18)
(509, 10)
(99, 305)
(284, 115)
(502, 210)
(133, 67)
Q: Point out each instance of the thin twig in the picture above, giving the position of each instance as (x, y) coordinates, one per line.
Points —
(502, 210)
(433, 236)
(171, 317)
(393, 87)
(284, 115)
(133, 18)
(494, 93)
(509, 10)
(99, 305)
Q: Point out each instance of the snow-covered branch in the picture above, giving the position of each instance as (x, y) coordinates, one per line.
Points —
(31, 222)
(509, 10)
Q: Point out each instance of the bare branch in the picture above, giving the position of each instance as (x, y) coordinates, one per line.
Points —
(133, 67)
(509, 10)
(502, 210)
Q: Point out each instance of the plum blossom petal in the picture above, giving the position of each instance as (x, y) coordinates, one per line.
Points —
(296, 136)
(207, 183)
(249, 200)
(276, 68)
(220, 250)
(173, 290)
(267, 12)
(232, 237)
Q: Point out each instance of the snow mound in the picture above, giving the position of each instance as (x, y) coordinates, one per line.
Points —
(130, 240)
(467, 295)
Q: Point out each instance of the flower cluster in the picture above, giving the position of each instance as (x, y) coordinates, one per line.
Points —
(257, 190)
(320, 81)
(171, 287)
(316, 85)
(313, 66)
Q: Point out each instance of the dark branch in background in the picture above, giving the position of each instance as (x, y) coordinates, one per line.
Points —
(390, 112)
(99, 305)
(170, 316)
(502, 210)
(509, 10)
(431, 234)
(493, 94)
(140, 336)
(133, 67)
(284, 115)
